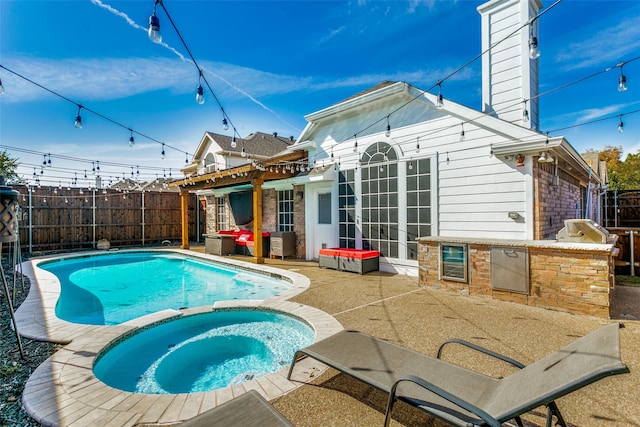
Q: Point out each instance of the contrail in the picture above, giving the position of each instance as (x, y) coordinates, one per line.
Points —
(133, 24)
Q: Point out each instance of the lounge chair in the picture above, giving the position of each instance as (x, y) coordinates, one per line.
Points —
(463, 397)
(249, 409)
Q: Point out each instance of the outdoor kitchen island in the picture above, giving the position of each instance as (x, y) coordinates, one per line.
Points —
(563, 275)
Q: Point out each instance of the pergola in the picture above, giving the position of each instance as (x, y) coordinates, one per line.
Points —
(254, 173)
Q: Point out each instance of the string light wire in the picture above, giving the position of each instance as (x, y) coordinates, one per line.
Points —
(85, 108)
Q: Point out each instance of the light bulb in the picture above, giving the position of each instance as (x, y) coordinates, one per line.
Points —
(78, 122)
(234, 144)
(622, 83)
(550, 158)
(1, 87)
(525, 115)
(542, 158)
(154, 29)
(200, 95)
(132, 142)
(387, 132)
(620, 126)
(440, 102)
(243, 153)
(225, 124)
(534, 53)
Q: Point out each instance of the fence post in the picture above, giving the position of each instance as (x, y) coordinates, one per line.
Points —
(632, 250)
(143, 219)
(30, 221)
(93, 217)
(615, 209)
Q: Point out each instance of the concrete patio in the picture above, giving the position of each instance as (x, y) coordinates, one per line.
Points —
(393, 307)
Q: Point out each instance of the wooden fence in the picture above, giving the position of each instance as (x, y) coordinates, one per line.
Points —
(60, 218)
(621, 209)
(628, 260)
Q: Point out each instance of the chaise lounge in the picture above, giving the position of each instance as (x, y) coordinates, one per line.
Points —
(248, 409)
(463, 397)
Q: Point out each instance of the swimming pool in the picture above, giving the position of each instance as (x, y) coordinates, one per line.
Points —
(203, 352)
(112, 288)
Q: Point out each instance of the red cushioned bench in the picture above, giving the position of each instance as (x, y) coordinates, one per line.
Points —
(266, 236)
(245, 243)
(355, 260)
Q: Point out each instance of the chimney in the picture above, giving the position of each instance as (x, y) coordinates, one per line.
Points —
(509, 76)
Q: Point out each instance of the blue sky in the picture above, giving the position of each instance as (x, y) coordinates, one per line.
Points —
(272, 62)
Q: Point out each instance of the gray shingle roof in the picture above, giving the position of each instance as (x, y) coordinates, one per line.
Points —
(257, 143)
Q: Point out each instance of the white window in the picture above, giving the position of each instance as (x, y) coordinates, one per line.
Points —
(221, 214)
(285, 210)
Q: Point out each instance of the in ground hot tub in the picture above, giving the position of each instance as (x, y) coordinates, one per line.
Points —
(203, 352)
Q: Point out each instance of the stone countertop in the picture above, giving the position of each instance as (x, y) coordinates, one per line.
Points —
(544, 244)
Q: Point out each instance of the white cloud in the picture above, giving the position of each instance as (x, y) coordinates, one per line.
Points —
(83, 80)
(610, 45)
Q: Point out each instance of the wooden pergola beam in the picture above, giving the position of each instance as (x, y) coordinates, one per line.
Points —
(245, 174)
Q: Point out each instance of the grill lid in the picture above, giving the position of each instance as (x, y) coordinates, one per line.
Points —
(582, 231)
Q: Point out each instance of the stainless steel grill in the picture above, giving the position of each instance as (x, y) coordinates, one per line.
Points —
(583, 231)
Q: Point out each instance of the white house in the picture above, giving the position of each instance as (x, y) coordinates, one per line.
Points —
(408, 167)
(393, 163)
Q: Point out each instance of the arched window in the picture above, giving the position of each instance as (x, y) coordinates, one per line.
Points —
(378, 152)
(380, 228)
(210, 159)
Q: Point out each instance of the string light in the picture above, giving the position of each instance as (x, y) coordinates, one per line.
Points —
(162, 155)
(234, 144)
(200, 91)
(387, 133)
(462, 132)
(1, 87)
(622, 80)
(225, 124)
(78, 122)
(154, 26)
(80, 107)
(534, 53)
(132, 142)
(620, 124)
(417, 144)
(440, 99)
(525, 112)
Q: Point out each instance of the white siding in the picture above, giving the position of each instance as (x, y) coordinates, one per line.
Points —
(509, 76)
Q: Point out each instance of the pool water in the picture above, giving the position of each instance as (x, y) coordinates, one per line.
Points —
(203, 352)
(113, 288)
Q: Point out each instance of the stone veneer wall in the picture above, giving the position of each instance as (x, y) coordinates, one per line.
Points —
(561, 278)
